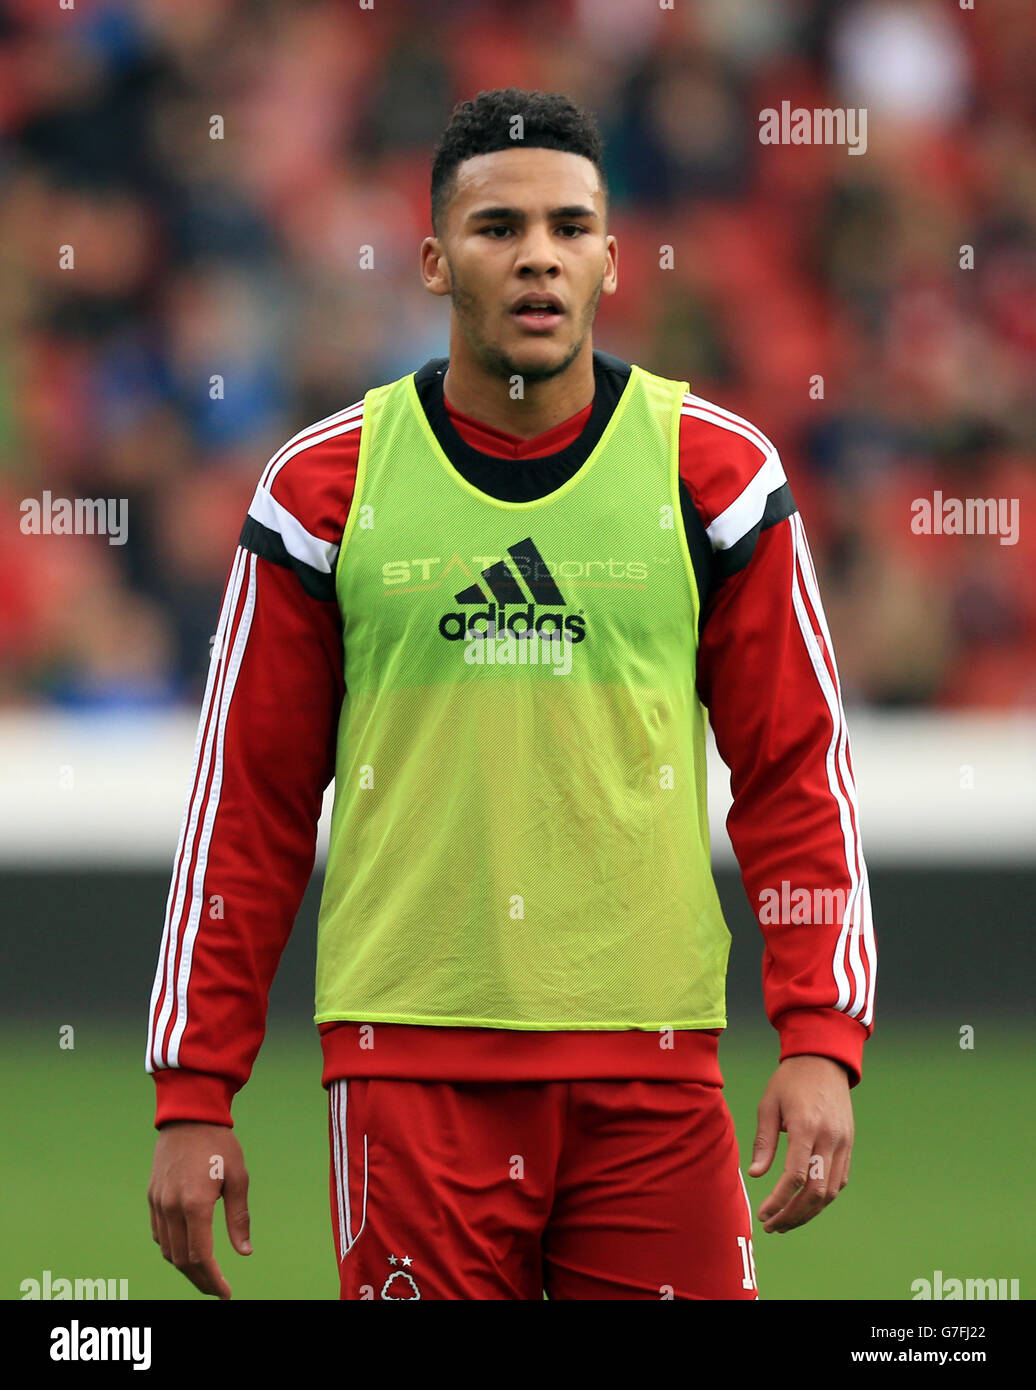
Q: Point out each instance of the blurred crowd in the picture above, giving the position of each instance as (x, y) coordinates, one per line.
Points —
(872, 313)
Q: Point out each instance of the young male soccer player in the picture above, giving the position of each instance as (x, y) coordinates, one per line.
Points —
(491, 600)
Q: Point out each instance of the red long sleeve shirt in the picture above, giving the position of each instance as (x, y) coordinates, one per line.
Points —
(265, 752)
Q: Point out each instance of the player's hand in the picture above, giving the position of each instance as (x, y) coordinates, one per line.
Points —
(194, 1165)
(808, 1097)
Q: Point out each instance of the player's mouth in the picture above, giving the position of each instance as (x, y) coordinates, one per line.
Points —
(538, 313)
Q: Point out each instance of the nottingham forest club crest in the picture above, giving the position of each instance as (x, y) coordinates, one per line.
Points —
(508, 608)
(400, 1286)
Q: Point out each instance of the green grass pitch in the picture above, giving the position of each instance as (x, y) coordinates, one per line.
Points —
(940, 1172)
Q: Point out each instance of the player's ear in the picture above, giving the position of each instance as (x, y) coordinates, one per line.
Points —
(435, 270)
(611, 274)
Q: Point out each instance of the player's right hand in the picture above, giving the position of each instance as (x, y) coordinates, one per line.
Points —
(194, 1165)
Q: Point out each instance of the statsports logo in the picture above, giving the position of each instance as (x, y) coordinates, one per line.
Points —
(504, 606)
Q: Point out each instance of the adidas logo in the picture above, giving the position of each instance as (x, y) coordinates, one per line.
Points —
(505, 592)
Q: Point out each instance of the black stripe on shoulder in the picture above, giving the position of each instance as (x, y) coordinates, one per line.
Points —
(268, 545)
(698, 545)
(779, 504)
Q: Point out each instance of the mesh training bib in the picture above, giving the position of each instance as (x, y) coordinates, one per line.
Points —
(519, 836)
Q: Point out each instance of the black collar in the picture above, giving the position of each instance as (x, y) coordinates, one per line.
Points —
(521, 480)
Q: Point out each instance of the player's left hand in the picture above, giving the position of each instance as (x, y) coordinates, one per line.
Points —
(808, 1097)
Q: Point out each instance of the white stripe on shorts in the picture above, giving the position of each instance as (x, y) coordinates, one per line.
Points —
(340, 1155)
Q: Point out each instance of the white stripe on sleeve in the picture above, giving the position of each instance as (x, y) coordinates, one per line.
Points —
(848, 992)
(174, 903)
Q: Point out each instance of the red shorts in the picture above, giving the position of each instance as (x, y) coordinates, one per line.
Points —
(504, 1190)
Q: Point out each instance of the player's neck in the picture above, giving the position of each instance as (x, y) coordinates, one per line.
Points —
(473, 391)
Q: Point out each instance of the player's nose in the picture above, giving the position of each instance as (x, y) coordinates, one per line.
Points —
(537, 253)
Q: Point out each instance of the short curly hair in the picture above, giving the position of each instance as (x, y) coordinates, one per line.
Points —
(550, 121)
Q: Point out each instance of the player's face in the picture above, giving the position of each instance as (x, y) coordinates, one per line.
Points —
(523, 223)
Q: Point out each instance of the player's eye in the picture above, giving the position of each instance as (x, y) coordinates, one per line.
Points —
(572, 227)
(496, 227)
